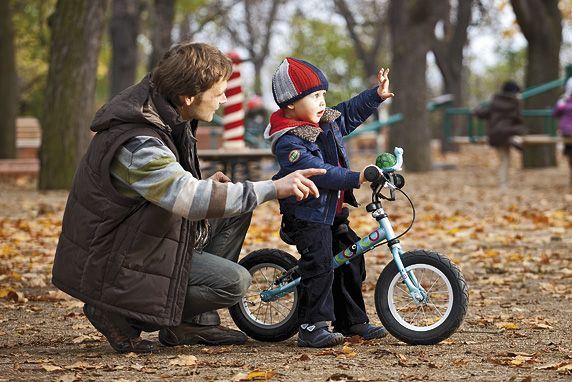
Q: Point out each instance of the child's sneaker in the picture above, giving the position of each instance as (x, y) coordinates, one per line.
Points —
(365, 331)
(318, 336)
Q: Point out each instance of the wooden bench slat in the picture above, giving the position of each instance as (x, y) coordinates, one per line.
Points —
(530, 139)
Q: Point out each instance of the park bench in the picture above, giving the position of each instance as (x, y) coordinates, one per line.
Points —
(28, 138)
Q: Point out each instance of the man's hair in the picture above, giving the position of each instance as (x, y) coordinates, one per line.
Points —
(189, 69)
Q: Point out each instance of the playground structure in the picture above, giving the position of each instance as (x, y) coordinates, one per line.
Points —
(474, 130)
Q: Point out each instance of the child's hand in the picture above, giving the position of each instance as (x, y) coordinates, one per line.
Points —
(383, 88)
(362, 176)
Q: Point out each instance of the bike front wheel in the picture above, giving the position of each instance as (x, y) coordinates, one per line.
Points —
(267, 320)
(432, 320)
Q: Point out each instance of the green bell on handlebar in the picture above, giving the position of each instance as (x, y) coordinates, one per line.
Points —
(385, 160)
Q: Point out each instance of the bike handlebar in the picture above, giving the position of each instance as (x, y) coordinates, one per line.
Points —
(372, 173)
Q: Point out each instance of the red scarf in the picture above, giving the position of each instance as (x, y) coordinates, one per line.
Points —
(279, 122)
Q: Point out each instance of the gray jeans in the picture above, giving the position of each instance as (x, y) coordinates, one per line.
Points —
(216, 280)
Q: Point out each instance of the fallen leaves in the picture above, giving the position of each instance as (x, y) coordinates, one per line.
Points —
(256, 375)
(515, 359)
(86, 338)
(345, 351)
(507, 325)
(561, 367)
(184, 360)
(513, 248)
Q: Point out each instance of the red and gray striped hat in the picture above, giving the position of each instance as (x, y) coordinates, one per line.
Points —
(294, 79)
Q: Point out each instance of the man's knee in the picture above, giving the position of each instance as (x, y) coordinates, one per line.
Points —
(240, 281)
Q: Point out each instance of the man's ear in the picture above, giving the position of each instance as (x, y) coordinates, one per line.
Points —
(291, 107)
(186, 100)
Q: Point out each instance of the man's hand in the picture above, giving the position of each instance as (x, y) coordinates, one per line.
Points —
(219, 177)
(297, 184)
(383, 80)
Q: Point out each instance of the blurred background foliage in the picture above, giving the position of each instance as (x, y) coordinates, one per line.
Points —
(319, 37)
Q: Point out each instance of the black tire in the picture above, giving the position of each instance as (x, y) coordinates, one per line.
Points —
(246, 318)
(447, 316)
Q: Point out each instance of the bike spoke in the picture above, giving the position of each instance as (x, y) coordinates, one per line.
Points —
(405, 307)
(436, 309)
(282, 305)
(402, 289)
(434, 282)
(268, 281)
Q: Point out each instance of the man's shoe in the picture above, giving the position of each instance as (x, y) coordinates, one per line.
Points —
(190, 334)
(365, 331)
(121, 336)
(318, 336)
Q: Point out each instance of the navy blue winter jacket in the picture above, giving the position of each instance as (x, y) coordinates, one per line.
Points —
(305, 147)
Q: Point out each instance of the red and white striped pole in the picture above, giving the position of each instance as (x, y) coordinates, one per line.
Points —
(233, 115)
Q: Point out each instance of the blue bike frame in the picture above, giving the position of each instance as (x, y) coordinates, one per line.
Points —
(366, 244)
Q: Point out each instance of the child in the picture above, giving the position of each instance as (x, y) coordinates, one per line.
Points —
(504, 115)
(304, 134)
(563, 110)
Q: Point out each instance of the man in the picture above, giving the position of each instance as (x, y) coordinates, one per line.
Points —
(135, 245)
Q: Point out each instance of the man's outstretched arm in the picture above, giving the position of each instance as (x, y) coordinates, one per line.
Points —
(145, 167)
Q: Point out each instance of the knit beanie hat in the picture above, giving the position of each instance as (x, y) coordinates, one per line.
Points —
(294, 79)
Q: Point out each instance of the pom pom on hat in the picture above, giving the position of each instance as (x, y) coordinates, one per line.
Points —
(294, 79)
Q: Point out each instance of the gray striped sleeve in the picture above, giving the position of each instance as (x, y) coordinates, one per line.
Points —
(145, 166)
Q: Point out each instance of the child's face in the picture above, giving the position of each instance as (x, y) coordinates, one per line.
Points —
(310, 108)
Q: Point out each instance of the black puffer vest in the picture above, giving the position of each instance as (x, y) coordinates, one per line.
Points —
(123, 254)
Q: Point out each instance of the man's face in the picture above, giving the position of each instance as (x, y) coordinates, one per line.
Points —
(204, 108)
(310, 108)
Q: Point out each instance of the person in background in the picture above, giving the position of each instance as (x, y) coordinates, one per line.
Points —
(563, 111)
(504, 116)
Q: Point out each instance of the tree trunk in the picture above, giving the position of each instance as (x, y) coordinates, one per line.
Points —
(541, 24)
(448, 53)
(162, 18)
(368, 54)
(411, 23)
(125, 21)
(8, 84)
(76, 28)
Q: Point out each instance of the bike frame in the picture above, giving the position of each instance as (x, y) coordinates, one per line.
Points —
(362, 246)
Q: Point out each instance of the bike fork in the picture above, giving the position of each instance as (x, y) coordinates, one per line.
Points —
(415, 289)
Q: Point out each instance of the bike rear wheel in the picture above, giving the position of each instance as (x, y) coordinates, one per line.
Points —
(273, 320)
(429, 322)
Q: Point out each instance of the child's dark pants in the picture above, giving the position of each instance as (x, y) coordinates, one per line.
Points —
(325, 294)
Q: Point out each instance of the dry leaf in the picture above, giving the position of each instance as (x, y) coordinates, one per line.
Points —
(258, 375)
(48, 367)
(304, 357)
(184, 360)
(348, 351)
(566, 365)
(68, 378)
(16, 296)
(507, 325)
(86, 338)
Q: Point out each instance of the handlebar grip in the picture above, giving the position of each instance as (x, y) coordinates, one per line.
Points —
(372, 173)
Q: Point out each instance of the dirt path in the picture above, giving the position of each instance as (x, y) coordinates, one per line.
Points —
(514, 247)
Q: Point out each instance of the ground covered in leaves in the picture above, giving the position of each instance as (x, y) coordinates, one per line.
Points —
(513, 246)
